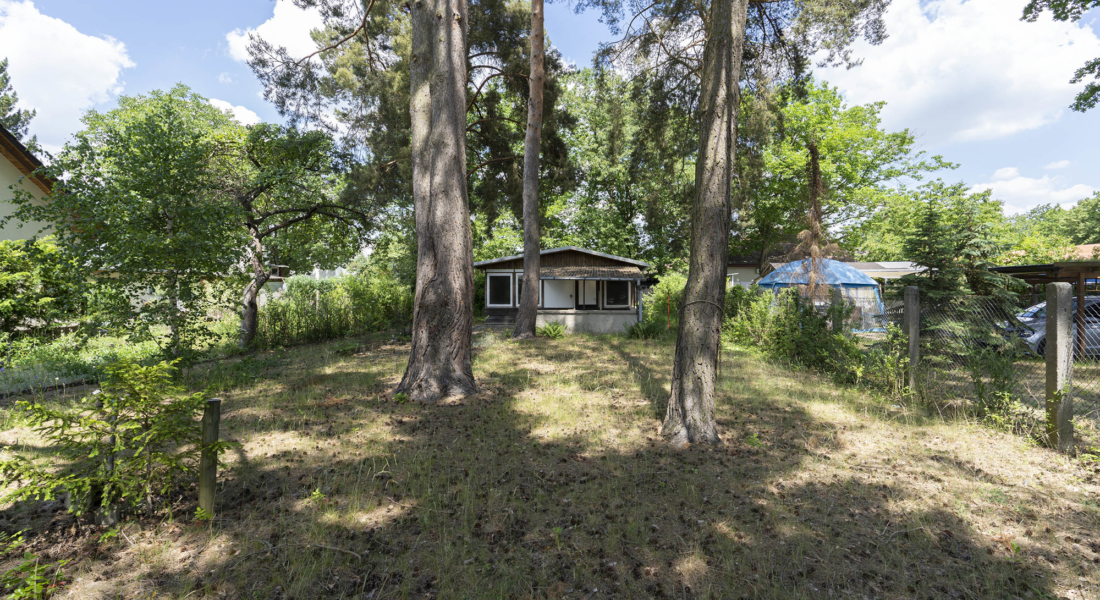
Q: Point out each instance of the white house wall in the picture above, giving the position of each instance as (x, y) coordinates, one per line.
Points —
(743, 276)
(9, 175)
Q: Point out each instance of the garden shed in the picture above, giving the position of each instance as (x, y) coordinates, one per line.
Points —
(856, 288)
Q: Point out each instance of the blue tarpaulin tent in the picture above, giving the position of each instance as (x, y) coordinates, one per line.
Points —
(856, 287)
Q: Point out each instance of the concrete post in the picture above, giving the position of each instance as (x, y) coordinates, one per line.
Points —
(1059, 357)
(912, 331)
(208, 461)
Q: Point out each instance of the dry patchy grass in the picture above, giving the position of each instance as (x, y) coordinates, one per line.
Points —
(554, 484)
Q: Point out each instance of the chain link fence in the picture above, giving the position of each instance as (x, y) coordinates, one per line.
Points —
(989, 353)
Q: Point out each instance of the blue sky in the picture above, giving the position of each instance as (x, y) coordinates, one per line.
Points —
(973, 82)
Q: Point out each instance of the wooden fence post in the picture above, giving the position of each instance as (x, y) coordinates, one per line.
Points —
(208, 464)
(912, 331)
(1059, 357)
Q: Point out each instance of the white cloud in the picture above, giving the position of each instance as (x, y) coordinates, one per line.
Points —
(289, 26)
(1021, 193)
(1059, 164)
(959, 70)
(225, 78)
(57, 70)
(242, 114)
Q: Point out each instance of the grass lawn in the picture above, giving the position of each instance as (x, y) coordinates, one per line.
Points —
(553, 483)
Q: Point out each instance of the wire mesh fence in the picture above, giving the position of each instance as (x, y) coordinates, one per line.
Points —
(976, 350)
(990, 353)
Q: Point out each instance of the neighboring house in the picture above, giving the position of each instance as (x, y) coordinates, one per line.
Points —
(585, 290)
(1086, 252)
(17, 162)
(742, 271)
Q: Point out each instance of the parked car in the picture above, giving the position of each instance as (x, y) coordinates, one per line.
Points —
(1035, 319)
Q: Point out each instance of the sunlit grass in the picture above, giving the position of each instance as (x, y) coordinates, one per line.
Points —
(554, 483)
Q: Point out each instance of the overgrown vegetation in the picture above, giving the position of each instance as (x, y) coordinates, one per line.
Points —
(317, 310)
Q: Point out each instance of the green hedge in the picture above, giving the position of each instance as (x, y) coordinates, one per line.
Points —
(312, 311)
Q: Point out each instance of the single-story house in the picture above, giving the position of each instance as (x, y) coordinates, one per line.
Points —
(17, 167)
(585, 290)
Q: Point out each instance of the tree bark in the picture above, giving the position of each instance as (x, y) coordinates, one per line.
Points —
(440, 362)
(691, 408)
(250, 307)
(529, 300)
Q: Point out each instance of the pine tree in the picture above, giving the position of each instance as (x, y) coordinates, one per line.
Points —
(13, 119)
(933, 245)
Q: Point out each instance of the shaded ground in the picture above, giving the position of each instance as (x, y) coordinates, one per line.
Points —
(553, 484)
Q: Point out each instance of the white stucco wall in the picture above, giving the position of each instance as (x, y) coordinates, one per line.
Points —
(9, 175)
(557, 293)
(742, 276)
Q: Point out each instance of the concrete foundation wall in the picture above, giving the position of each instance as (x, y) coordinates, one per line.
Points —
(589, 321)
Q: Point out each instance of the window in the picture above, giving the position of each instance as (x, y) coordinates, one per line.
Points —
(500, 290)
(519, 290)
(616, 293)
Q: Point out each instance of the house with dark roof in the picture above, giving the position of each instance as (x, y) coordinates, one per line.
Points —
(17, 171)
(584, 290)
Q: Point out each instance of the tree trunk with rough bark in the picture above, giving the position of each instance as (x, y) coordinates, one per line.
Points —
(440, 362)
(250, 306)
(691, 408)
(529, 299)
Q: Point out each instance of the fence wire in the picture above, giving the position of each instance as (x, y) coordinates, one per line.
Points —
(976, 350)
(991, 354)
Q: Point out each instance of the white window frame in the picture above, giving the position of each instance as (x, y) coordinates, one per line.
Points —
(608, 305)
(511, 290)
(519, 282)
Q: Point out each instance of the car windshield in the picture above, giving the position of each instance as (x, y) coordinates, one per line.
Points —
(1036, 311)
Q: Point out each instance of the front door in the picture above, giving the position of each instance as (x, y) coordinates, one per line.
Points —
(587, 295)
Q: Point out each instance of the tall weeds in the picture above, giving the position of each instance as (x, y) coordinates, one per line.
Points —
(315, 311)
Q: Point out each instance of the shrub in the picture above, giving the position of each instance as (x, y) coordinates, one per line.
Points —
(38, 286)
(128, 445)
(645, 330)
(314, 311)
(661, 304)
(551, 330)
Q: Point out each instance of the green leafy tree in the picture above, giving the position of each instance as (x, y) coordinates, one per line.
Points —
(39, 285)
(1072, 10)
(860, 165)
(142, 214)
(634, 147)
(13, 119)
(294, 207)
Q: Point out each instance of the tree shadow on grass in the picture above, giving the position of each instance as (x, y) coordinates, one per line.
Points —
(520, 494)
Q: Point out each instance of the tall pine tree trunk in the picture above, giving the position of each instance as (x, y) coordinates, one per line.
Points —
(691, 408)
(440, 362)
(529, 299)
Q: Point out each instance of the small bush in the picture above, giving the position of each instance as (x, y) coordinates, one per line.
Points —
(661, 303)
(127, 445)
(551, 330)
(645, 330)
